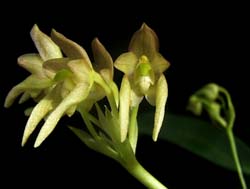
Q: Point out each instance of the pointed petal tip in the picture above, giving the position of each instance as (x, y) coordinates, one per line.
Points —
(155, 137)
(95, 40)
(34, 28)
(37, 143)
(6, 103)
(23, 142)
(144, 26)
(53, 31)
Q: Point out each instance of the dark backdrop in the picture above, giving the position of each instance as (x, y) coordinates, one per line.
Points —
(204, 43)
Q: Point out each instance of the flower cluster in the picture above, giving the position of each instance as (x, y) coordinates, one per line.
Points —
(64, 80)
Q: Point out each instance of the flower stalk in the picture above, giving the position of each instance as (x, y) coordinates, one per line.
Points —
(216, 101)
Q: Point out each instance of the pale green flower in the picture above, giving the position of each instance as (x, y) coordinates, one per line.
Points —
(62, 84)
(37, 83)
(143, 67)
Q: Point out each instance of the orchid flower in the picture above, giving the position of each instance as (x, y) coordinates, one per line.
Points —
(143, 68)
(64, 82)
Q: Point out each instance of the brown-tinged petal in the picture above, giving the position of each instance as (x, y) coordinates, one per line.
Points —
(45, 46)
(126, 62)
(53, 66)
(57, 64)
(161, 99)
(144, 42)
(103, 60)
(69, 47)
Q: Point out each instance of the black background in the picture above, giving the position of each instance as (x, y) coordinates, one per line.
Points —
(204, 43)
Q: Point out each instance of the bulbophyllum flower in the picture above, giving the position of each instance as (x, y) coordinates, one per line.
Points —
(37, 83)
(143, 68)
(62, 83)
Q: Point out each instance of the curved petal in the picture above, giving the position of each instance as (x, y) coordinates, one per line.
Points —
(53, 66)
(56, 64)
(161, 99)
(78, 94)
(103, 60)
(95, 94)
(126, 62)
(124, 107)
(38, 113)
(32, 63)
(151, 95)
(69, 47)
(81, 69)
(144, 42)
(159, 63)
(30, 83)
(25, 96)
(45, 46)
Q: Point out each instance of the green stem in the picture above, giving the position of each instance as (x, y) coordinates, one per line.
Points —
(144, 176)
(235, 157)
(133, 128)
(230, 115)
(128, 160)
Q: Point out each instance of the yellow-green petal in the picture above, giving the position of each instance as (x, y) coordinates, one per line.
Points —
(151, 95)
(124, 107)
(115, 92)
(30, 83)
(37, 114)
(135, 98)
(69, 47)
(159, 63)
(126, 62)
(25, 96)
(103, 60)
(78, 94)
(81, 69)
(161, 99)
(144, 42)
(32, 63)
(45, 46)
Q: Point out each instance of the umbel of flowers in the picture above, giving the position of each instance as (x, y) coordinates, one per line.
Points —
(63, 80)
